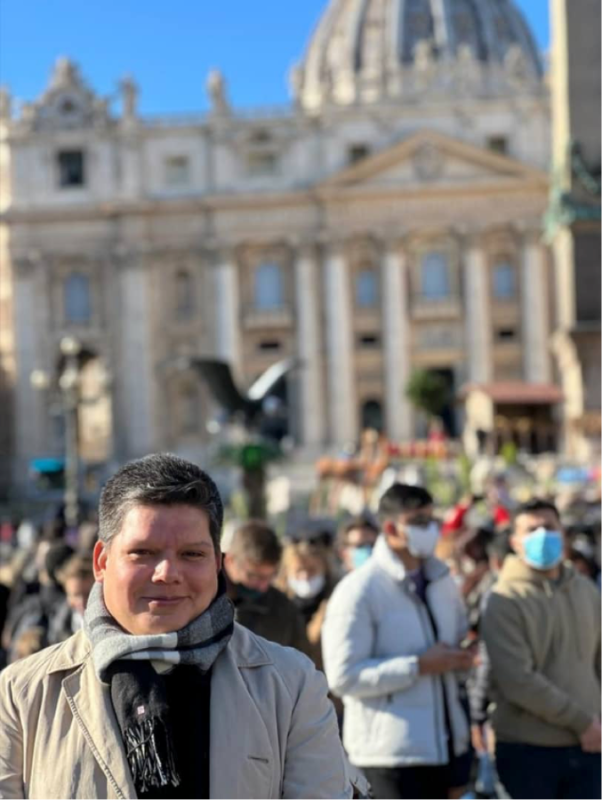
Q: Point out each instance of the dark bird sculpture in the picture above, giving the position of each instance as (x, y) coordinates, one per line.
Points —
(251, 405)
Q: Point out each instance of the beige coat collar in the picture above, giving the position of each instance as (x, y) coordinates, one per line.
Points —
(241, 753)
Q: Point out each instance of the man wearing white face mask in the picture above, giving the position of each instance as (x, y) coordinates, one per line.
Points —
(391, 650)
(542, 631)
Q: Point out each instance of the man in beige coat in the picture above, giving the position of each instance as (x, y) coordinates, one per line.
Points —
(162, 694)
(542, 631)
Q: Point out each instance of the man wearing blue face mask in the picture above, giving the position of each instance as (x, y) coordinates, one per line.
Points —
(356, 541)
(542, 631)
(390, 643)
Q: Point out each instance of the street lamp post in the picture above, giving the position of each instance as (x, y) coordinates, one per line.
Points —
(68, 384)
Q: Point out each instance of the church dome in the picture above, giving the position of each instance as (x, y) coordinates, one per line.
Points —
(365, 51)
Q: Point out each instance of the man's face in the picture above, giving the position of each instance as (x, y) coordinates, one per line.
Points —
(160, 571)
(250, 574)
(396, 531)
(356, 537)
(527, 523)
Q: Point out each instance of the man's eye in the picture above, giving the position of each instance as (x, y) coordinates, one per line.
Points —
(194, 554)
(140, 552)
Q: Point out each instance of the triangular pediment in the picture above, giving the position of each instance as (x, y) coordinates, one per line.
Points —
(427, 157)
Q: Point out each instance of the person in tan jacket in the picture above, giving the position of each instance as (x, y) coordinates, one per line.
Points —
(162, 694)
(542, 632)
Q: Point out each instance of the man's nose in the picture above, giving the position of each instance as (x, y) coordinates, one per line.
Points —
(167, 571)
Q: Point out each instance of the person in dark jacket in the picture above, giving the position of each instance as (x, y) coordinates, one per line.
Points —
(251, 566)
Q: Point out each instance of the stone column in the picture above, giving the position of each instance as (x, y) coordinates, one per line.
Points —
(30, 404)
(339, 346)
(308, 338)
(535, 308)
(478, 314)
(396, 344)
(138, 378)
(227, 311)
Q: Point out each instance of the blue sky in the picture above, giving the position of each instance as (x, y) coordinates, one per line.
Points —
(170, 47)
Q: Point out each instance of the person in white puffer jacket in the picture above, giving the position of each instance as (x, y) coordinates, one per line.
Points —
(391, 646)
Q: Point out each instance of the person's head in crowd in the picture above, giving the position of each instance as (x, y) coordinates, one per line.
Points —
(498, 549)
(253, 558)
(56, 557)
(473, 549)
(306, 571)
(53, 530)
(88, 534)
(407, 520)
(158, 555)
(27, 643)
(537, 535)
(356, 539)
(77, 579)
(582, 555)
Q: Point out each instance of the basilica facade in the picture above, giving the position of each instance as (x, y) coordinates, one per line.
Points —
(388, 220)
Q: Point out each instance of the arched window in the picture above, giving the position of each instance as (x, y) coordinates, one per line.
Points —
(366, 289)
(78, 309)
(269, 287)
(372, 415)
(504, 281)
(434, 276)
(184, 295)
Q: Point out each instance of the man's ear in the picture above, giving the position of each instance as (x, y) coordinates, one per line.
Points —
(388, 528)
(99, 560)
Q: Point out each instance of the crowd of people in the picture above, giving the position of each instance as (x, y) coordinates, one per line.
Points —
(460, 646)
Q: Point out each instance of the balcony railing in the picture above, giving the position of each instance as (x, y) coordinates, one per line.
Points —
(277, 317)
(427, 306)
(439, 337)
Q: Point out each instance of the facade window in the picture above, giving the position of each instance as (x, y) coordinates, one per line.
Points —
(269, 346)
(366, 289)
(78, 305)
(497, 144)
(269, 287)
(357, 152)
(504, 281)
(506, 335)
(261, 165)
(434, 277)
(369, 340)
(372, 415)
(177, 172)
(184, 290)
(71, 169)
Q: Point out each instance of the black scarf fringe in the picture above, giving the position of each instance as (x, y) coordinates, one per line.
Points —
(150, 755)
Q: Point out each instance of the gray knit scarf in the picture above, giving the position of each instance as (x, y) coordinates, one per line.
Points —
(133, 667)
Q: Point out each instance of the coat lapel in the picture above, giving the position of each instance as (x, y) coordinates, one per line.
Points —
(92, 708)
(243, 762)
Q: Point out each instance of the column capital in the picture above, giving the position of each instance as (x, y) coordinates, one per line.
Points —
(127, 256)
(307, 248)
(25, 263)
(529, 231)
(395, 244)
(470, 237)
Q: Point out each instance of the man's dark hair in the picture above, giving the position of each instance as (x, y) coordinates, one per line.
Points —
(257, 542)
(361, 522)
(57, 555)
(535, 506)
(401, 497)
(158, 480)
(499, 547)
